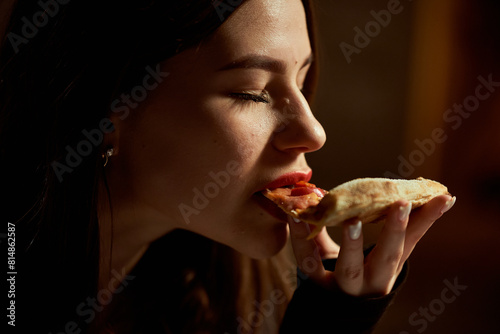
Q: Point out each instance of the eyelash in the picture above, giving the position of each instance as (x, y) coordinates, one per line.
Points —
(261, 98)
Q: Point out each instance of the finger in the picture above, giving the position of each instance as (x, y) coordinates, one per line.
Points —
(349, 271)
(328, 249)
(423, 218)
(384, 260)
(306, 251)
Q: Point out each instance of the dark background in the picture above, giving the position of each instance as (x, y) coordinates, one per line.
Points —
(396, 91)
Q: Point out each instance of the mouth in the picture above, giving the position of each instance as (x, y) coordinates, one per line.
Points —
(268, 206)
(284, 181)
(288, 179)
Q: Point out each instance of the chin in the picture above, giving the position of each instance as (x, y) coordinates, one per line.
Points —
(266, 244)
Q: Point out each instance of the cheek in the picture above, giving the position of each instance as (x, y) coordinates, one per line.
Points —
(232, 132)
(183, 155)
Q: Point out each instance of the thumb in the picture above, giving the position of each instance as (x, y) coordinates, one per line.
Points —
(307, 252)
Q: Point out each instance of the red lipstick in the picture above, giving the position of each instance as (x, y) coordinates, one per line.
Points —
(289, 179)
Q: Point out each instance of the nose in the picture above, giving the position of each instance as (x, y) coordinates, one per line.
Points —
(297, 129)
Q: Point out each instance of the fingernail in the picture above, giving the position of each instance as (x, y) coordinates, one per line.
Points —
(448, 205)
(404, 211)
(355, 230)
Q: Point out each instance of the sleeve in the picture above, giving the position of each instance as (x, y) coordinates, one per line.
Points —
(314, 309)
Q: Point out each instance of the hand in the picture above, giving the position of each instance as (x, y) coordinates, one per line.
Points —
(374, 275)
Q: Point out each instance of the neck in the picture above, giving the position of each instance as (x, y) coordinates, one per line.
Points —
(126, 231)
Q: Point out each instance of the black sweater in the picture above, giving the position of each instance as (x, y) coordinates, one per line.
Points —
(314, 309)
(145, 306)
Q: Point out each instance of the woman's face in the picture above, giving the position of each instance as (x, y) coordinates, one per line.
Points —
(227, 120)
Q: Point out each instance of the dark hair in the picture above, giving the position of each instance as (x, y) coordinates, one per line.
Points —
(62, 64)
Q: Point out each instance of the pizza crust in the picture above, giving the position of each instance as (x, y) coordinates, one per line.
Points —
(369, 199)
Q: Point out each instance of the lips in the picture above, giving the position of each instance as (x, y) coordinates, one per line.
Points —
(287, 179)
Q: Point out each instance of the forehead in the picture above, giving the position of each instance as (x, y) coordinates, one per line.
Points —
(275, 28)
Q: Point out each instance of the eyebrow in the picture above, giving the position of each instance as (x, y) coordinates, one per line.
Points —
(262, 62)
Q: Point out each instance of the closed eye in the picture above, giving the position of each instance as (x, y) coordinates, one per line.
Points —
(258, 98)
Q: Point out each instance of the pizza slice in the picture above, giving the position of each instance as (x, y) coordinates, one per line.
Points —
(295, 199)
(366, 199)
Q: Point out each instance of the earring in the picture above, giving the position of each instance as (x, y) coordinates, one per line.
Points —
(105, 156)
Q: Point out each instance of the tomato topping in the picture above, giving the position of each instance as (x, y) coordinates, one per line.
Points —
(301, 191)
(303, 188)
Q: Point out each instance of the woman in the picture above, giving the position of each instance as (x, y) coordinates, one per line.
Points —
(152, 127)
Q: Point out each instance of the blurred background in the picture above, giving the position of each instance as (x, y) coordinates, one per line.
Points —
(412, 88)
